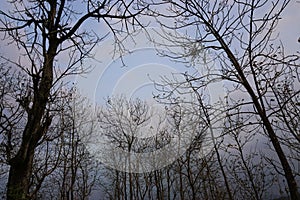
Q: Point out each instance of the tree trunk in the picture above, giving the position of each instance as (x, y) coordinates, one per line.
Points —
(19, 177)
(288, 173)
(21, 165)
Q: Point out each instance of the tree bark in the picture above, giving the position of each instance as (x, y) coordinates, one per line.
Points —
(19, 176)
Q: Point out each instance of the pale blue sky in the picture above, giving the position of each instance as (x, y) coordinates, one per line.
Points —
(110, 77)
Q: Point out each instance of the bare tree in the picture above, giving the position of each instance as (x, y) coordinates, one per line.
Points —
(61, 155)
(43, 30)
(260, 79)
(185, 178)
(122, 121)
(77, 170)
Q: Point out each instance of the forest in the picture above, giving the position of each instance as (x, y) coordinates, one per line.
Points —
(225, 126)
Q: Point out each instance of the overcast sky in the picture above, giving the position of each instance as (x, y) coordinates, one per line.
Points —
(109, 77)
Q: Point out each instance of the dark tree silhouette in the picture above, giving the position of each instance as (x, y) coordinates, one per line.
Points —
(41, 31)
(240, 38)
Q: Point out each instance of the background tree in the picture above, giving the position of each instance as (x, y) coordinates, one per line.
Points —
(123, 122)
(41, 31)
(77, 170)
(191, 176)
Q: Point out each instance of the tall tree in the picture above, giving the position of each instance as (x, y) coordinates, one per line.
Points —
(262, 81)
(41, 31)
